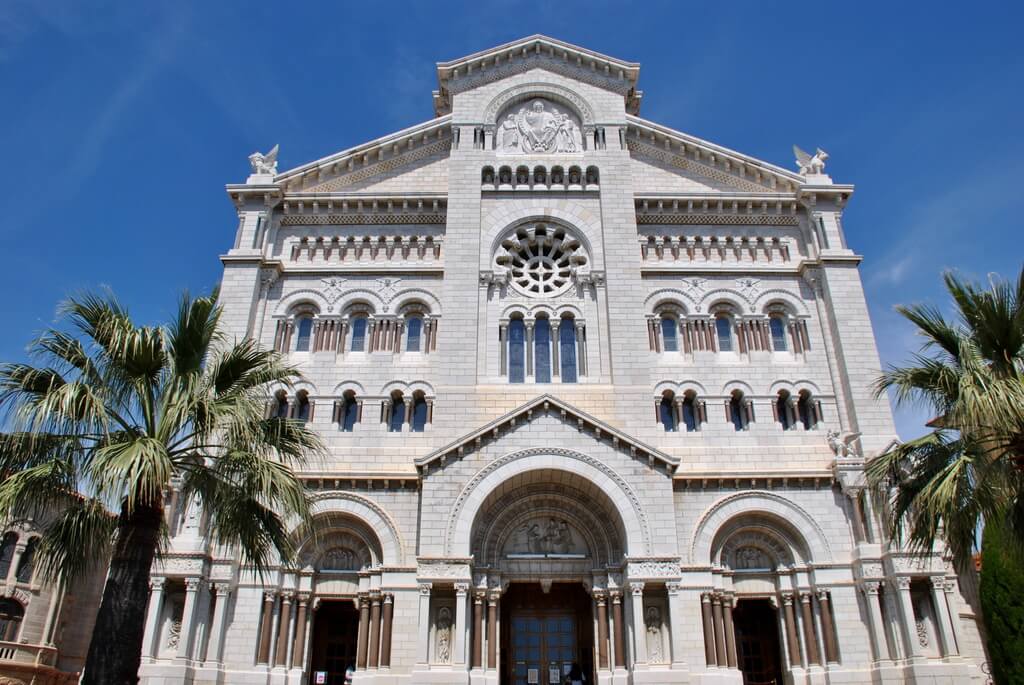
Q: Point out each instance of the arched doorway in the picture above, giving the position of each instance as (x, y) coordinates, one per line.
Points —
(758, 649)
(553, 543)
(335, 642)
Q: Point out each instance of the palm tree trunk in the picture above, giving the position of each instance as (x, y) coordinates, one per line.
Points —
(116, 648)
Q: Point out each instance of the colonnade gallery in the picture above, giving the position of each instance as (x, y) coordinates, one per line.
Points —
(597, 397)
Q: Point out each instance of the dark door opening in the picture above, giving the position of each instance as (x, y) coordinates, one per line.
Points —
(335, 632)
(757, 642)
(544, 634)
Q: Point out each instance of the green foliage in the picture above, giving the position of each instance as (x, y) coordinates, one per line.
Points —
(117, 412)
(1002, 602)
(970, 373)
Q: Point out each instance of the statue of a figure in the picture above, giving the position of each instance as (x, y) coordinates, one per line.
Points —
(652, 619)
(444, 635)
(508, 135)
(264, 163)
(532, 541)
(751, 558)
(809, 164)
(562, 544)
(842, 444)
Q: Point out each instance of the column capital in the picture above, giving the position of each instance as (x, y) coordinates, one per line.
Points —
(269, 595)
(601, 597)
(938, 583)
(822, 594)
(673, 587)
(787, 598)
(425, 588)
(636, 588)
(705, 597)
(222, 589)
(157, 584)
(616, 596)
(902, 582)
(389, 598)
(303, 598)
(950, 585)
(870, 587)
(479, 596)
(192, 584)
(461, 588)
(287, 596)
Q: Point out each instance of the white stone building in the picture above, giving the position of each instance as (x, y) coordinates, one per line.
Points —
(576, 371)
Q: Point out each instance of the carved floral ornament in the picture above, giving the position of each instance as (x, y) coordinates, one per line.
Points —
(653, 568)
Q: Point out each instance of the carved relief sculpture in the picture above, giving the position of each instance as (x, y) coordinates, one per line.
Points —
(444, 635)
(539, 128)
(545, 537)
(655, 650)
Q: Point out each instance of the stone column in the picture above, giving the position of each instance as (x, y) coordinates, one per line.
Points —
(364, 631)
(716, 610)
(151, 639)
(949, 647)
(503, 344)
(529, 349)
(373, 657)
(859, 535)
(581, 349)
(730, 632)
(952, 604)
(299, 643)
(602, 630)
(423, 633)
(188, 619)
(461, 591)
(385, 634)
(263, 652)
(283, 625)
(810, 635)
(620, 633)
(478, 630)
(709, 630)
(792, 637)
(906, 608)
(828, 628)
(492, 631)
(556, 367)
(639, 630)
(220, 611)
(875, 621)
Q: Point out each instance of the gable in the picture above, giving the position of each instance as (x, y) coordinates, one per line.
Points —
(569, 416)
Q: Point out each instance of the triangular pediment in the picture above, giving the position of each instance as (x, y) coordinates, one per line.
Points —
(537, 52)
(548, 405)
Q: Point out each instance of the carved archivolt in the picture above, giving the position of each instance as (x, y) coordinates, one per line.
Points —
(456, 513)
(547, 90)
(393, 548)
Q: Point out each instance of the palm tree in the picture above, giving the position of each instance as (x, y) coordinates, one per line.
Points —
(970, 467)
(119, 411)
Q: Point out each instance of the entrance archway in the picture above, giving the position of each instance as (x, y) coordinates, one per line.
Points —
(335, 641)
(759, 649)
(547, 633)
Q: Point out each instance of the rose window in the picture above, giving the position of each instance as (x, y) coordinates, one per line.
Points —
(541, 258)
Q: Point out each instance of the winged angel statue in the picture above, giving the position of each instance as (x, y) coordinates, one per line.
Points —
(264, 163)
(810, 164)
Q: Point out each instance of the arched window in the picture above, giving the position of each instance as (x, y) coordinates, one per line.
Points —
(7, 546)
(27, 563)
(667, 412)
(778, 329)
(397, 412)
(567, 349)
(359, 333)
(11, 613)
(349, 412)
(413, 329)
(516, 351)
(419, 412)
(303, 407)
(670, 333)
(691, 412)
(807, 410)
(281, 406)
(304, 328)
(487, 176)
(723, 327)
(782, 410)
(738, 411)
(542, 350)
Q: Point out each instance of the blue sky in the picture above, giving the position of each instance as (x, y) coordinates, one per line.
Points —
(121, 123)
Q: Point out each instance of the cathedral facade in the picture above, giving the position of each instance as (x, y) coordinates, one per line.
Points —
(597, 397)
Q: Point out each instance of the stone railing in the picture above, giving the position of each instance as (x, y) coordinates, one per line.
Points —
(27, 654)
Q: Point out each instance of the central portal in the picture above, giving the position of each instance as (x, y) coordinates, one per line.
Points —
(544, 634)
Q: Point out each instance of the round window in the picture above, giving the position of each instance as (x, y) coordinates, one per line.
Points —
(540, 259)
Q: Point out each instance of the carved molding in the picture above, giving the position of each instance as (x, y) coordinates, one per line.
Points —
(653, 568)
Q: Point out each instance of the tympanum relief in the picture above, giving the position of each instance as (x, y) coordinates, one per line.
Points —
(538, 128)
(547, 537)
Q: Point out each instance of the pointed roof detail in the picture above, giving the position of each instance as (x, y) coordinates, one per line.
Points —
(544, 405)
(536, 51)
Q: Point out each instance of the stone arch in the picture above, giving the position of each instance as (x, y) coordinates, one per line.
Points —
(368, 513)
(793, 304)
(417, 296)
(298, 298)
(668, 297)
(550, 91)
(787, 520)
(464, 511)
